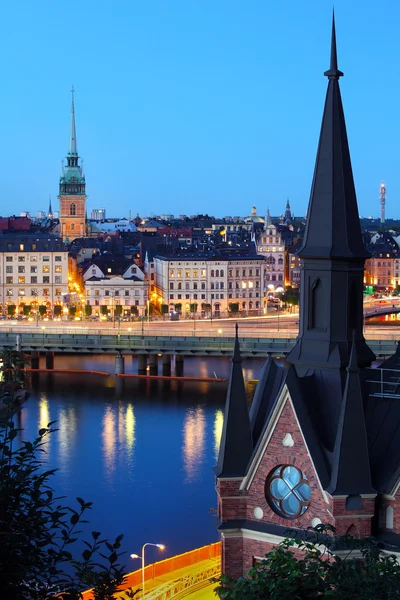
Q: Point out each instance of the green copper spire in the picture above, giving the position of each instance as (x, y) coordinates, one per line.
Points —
(73, 150)
(72, 180)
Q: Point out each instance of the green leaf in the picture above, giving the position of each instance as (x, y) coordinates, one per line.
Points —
(74, 519)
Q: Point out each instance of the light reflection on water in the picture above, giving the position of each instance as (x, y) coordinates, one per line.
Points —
(142, 453)
(194, 431)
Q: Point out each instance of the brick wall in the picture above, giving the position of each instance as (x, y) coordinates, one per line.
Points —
(236, 504)
(358, 522)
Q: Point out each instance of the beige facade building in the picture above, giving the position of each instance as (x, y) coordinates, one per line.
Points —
(209, 284)
(272, 247)
(33, 272)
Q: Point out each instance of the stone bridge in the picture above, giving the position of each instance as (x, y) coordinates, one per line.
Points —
(114, 343)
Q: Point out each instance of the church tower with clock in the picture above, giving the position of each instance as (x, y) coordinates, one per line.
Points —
(72, 190)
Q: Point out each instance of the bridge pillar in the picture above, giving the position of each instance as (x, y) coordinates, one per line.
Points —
(142, 364)
(153, 363)
(35, 358)
(178, 365)
(49, 360)
(119, 364)
(166, 365)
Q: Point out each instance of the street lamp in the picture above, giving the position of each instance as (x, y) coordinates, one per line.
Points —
(159, 546)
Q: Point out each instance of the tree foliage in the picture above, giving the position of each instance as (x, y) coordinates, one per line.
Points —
(308, 568)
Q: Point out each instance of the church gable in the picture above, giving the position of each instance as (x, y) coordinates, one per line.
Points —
(282, 485)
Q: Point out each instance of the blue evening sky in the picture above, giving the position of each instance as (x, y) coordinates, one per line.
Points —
(187, 106)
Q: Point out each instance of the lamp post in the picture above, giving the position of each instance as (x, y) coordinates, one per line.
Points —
(159, 546)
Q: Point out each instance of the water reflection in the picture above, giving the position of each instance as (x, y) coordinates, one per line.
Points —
(130, 425)
(44, 413)
(67, 427)
(109, 440)
(119, 436)
(44, 420)
(218, 424)
(194, 430)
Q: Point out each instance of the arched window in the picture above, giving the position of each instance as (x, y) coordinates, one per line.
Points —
(72, 226)
(250, 305)
(257, 304)
(212, 272)
(244, 305)
(217, 273)
(222, 273)
(72, 209)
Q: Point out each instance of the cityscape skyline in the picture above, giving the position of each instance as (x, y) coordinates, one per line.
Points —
(183, 126)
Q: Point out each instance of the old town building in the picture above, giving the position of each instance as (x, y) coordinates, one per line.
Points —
(320, 441)
(210, 282)
(271, 245)
(33, 272)
(111, 281)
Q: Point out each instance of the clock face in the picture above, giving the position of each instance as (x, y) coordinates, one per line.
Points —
(73, 179)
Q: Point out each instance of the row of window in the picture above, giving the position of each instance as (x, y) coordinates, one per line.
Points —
(34, 269)
(244, 295)
(33, 258)
(30, 247)
(34, 292)
(273, 277)
(214, 272)
(268, 249)
(97, 303)
(196, 296)
(22, 279)
(116, 293)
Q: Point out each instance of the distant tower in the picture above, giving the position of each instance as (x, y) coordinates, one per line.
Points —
(288, 214)
(268, 218)
(383, 201)
(72, 190)
(50, 213)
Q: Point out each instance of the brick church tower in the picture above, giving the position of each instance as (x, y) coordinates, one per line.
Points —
(72, 190)
(320, 442)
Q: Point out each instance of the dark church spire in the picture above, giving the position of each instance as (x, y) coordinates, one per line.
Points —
(333, 253)
(236, 441)
(351, 472)
(333, 225)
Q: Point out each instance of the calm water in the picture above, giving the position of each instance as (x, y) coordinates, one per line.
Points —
(142, 453)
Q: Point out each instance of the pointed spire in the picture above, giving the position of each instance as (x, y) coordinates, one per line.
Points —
(73, 151)
(333, 72)
(333, 225)
(267, 218)
(236, 441)
(351, 472)
(50, 213)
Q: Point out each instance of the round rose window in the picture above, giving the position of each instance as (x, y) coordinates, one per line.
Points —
(288, 491)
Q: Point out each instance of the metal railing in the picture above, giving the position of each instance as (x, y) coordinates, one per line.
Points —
(179, 588)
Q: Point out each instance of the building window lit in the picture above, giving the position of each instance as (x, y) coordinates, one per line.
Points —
(21, 247)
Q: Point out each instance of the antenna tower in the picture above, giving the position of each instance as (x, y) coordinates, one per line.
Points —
(383, 201)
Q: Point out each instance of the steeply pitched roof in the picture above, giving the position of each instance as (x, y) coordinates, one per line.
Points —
(351, 472)
(236, 440)
(333, 225)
